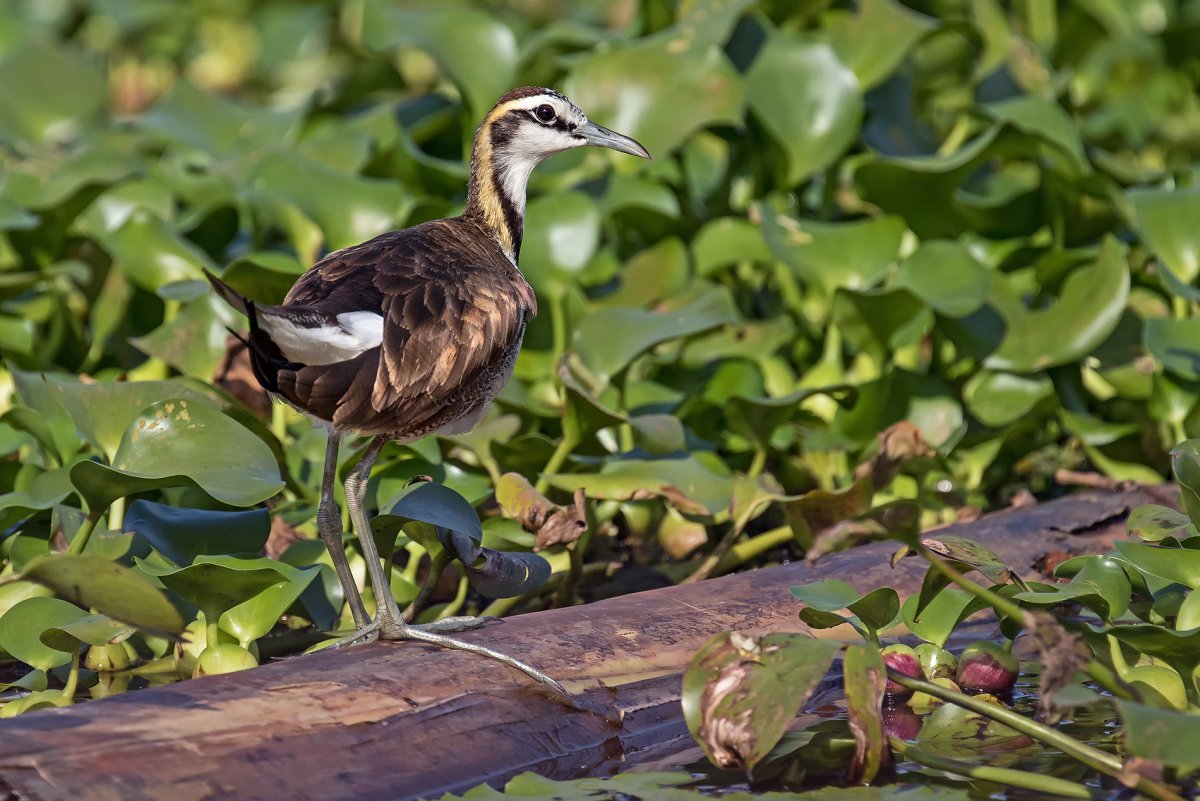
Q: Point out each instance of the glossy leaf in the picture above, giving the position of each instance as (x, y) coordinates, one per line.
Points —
(864, 677)
(739, 693)
(183, 534)
(109, 588)
(808, 99)
(171, 443)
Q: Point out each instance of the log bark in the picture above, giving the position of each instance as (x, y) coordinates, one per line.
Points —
(399, 721)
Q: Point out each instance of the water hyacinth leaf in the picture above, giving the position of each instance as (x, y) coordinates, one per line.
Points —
(104, 410)
(1173, 342)
(151, 255)
(256, 616)
(865, 676)
(264, 277)
(973, 554)
(89, 630)
(1088, 308)
(759, 418)
(430, 503)
(499, 574)
(819, 510)
(998, 398)
(874, 40)
(1161, 736)
(194, 341)
(216, 584)
(1154, 523)
(935, 620)
(953, 731)
(739, 693)
(1165, 220)
(349, 209)
(850, 255)
(215, 125)
(728, 240)
(1101, 585)
(171, 443)
(656, 96)
(22, 626)
(808, 99)
(1177, 565)
(878, 609)
(477, 50)
(182, 534)
(1185, 465)
(608, 339)
(109, 588)
(692, 484)
(50, 92)
(563, 232)
(944, 275)
(1045, 119)
(891, 182)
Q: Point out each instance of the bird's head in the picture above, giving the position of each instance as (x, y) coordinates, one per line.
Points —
(523, 128)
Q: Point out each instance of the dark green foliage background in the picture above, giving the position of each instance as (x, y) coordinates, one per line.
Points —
(973, 216)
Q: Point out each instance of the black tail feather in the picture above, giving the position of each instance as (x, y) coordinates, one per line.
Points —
(266, 359)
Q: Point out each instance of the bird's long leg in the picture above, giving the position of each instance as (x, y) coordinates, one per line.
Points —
(389, 623)
(329, 526)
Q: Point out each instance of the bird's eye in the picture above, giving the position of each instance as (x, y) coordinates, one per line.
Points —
(544, 113)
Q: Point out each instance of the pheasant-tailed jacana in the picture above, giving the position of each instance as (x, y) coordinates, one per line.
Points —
(415, 331)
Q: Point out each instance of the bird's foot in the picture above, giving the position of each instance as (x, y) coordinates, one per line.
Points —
(384, 627)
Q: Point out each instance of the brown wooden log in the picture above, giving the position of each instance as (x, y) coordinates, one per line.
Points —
(398, 721)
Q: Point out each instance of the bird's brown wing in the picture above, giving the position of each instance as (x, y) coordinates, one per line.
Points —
(452, 304)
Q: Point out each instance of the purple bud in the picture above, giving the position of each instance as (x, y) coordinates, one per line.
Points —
(902, 659)
(902, 723)
(986, 667)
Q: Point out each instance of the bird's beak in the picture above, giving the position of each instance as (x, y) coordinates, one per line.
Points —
(599, 135)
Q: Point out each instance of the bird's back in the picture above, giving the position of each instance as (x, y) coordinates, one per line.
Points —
(438, 311)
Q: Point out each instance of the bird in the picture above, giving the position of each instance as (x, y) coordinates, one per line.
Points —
(414, 332)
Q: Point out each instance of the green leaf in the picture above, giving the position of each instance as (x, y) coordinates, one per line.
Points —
(864, 677)
(944, 275)
(953, 731)
(428, 502)
(1178, 565)
(1088, 308)
(151, 255)
(499, 574)
(1185, 465)
(183, 534)
(690, 484)
(878, 610)
(193, 342)
(740, 693)
(875, 39)
(1161, 736)
(218, 126)
(807, 99)
(477, 50)
(997, 398)
(1101, 585)
(608, 339)
(180, 442)
(216, 584)
(256, 616)
(850, 255)
(658, 96)
(561, 235)
(21, 630)
(1165, 219)
(89, 630)
(728, 240)
(109, 588)
(936, 620)
(48, 92)
(1154, 523)
(1174, 343)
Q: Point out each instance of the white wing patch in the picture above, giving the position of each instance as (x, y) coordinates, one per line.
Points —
(355, 333)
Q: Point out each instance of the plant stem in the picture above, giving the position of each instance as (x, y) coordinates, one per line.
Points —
(437, 565)
(998, 602)
(1006, 776)
(451, 609)
(565, 446)
(72, 682)
(1092, 757)
(84, 533)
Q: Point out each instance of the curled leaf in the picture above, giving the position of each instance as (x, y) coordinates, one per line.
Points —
(550, 523)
